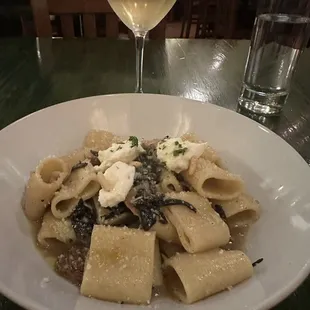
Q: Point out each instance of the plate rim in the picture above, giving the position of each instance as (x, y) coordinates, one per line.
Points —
(204, 103)
(25, 301)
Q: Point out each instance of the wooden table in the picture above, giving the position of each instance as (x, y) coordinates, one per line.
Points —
(35, 74)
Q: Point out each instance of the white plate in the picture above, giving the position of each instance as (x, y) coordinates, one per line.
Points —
(274, 173)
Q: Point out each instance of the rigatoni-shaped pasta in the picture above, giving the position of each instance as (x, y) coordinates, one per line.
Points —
(157, 272)
(120, 265)
(169, 182)
(192, 277)
(42, 185)
(53, 229)
(211, 181)
(200, 231)
(241, 211)
(81, 184)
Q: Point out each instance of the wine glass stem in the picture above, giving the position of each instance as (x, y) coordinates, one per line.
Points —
(140, 40)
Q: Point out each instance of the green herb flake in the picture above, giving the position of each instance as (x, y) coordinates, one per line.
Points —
(119, 148)
(178, 144)
(179, 151)
(134, 141)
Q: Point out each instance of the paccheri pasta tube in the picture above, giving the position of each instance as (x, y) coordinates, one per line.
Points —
(211, 181)
(198, 231)
(53, 229)
(192, 277)
(81, 184)
(157, 272)
(42, 185)
(120, 265)
(241, 211)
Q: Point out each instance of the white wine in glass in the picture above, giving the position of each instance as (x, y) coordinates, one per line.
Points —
(141, 16)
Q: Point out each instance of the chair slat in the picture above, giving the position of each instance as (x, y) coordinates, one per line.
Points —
(89, 25)
(67, 25)
(112, 26)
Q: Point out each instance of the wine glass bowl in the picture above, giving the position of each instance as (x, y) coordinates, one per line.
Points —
(141, 16)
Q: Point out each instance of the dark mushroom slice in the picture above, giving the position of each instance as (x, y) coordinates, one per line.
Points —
(83, 219)
(161, 216)
(220, 211)
(94, 153)
(124, 219)
(117, 210)
(171, 202)
(70, 264)
(79, 165)
(119, 215)
(147, 217)
(149, 209)
(95, 161)
(135, 224)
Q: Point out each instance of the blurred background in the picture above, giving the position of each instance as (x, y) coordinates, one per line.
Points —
(228, 19)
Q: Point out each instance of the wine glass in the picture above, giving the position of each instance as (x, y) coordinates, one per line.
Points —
(141, 16)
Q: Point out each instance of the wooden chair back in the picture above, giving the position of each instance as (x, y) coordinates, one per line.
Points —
(42, 9)
(213, 18)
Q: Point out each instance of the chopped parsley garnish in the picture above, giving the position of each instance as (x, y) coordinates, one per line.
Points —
(179, 151)
(178, 144)
(134, 141)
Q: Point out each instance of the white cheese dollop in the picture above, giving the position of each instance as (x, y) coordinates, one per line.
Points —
(119, 180)
(176, 153)
(126, 152)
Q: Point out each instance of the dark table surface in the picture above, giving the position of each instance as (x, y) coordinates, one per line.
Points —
(35, 74)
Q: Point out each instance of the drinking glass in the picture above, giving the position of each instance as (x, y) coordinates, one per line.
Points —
(141, 16)
(281, 31)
